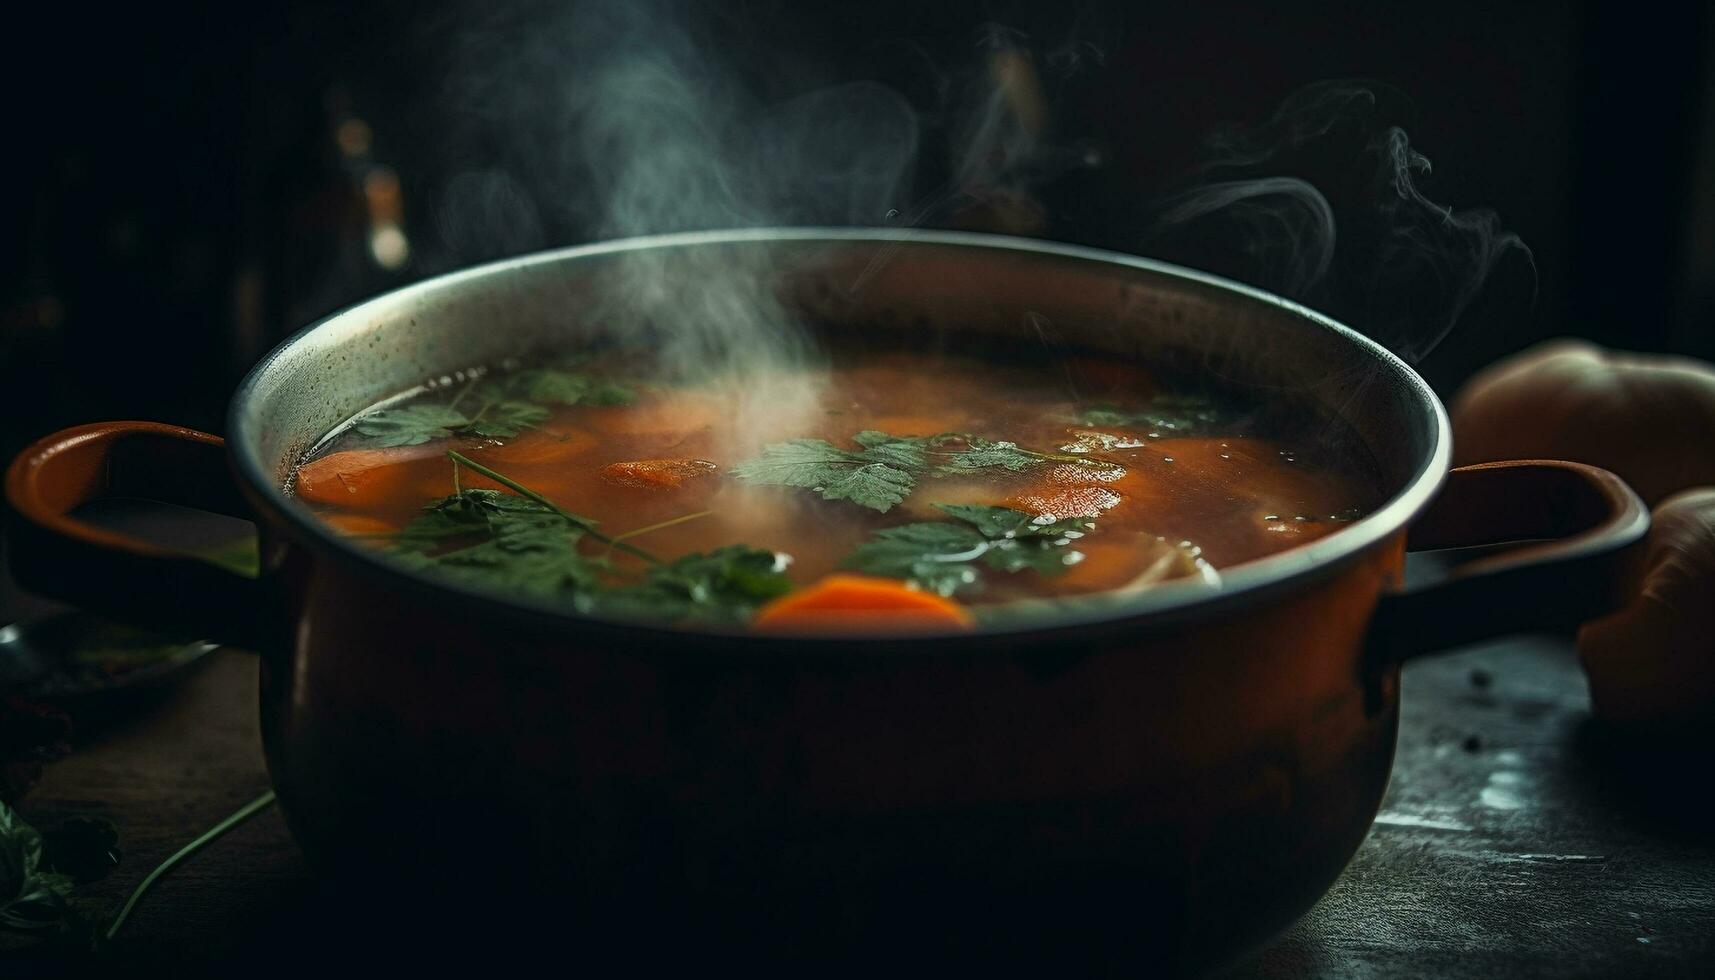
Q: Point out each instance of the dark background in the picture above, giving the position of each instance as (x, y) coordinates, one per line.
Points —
(177, 199)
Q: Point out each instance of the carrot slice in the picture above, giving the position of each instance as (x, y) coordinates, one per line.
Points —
(361, 477)
(860, 603)
(659, 474)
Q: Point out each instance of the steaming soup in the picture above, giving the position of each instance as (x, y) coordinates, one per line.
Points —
(882, 491)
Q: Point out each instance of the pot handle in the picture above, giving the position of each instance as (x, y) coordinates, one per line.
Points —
(55, 553)
(1577, 527)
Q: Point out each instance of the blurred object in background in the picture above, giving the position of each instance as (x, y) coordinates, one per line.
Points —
(1652, 664)
(1648, 418)
(1651, 420)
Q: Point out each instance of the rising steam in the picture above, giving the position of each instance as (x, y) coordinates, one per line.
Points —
(1374, 250)
(633, 117)
(625, 118)
(629, 117)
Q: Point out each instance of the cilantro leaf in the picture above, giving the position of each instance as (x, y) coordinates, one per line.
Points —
(543, 562)
(936, 555)
(411, 425)
(609, 393)
(983, 453)
(524, 545)
(804, 463)
(725, 585)
(31, 897)
(510, 404)
(885, 471)
(1173, 413)
(878, 477)
(417, 424)
(941, 556)
(555, 386)
(476, 512)
(1005, 522)
(504, 420)
(523, 542)
(877, 486)
(908, 453)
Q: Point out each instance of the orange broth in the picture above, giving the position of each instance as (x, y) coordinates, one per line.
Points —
(1165, 502)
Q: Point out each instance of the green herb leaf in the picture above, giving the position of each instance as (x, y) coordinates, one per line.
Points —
(31, 897)
(941, 556)
(543, 562)
(935, 555)
(982, 454)
(503, 420)
(884, 472)
(877, 486)
(878, 477)
(909, 453)
(1179, 414)
(521, 544)
(474, 512)
(725, 585)
(556, 386)
(510, 403)
(411, 425)
(805, 463)
(609, 393)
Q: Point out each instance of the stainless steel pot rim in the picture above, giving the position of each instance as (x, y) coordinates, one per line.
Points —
(1164, 605)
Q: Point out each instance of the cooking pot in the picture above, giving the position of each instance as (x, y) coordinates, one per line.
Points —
(1167, 778)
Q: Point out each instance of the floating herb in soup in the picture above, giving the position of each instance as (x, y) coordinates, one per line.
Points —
(884, 492)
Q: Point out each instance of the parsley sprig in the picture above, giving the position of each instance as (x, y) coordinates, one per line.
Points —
(885, 468)
(945, 557)
(32, 897)
(507, 404)
(525, 542)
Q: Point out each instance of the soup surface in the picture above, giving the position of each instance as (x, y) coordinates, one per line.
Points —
(882, 490)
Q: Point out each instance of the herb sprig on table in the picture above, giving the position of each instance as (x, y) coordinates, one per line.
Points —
(945, 557)
(524, 542)
(506, 405)
(884, 469)
(32, 897)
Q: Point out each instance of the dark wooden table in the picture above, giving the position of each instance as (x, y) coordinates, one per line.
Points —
(1514, 841)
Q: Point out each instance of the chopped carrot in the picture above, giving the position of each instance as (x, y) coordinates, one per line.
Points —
(660, 474)
(361, 477)
(536, 448)
(860, 603)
